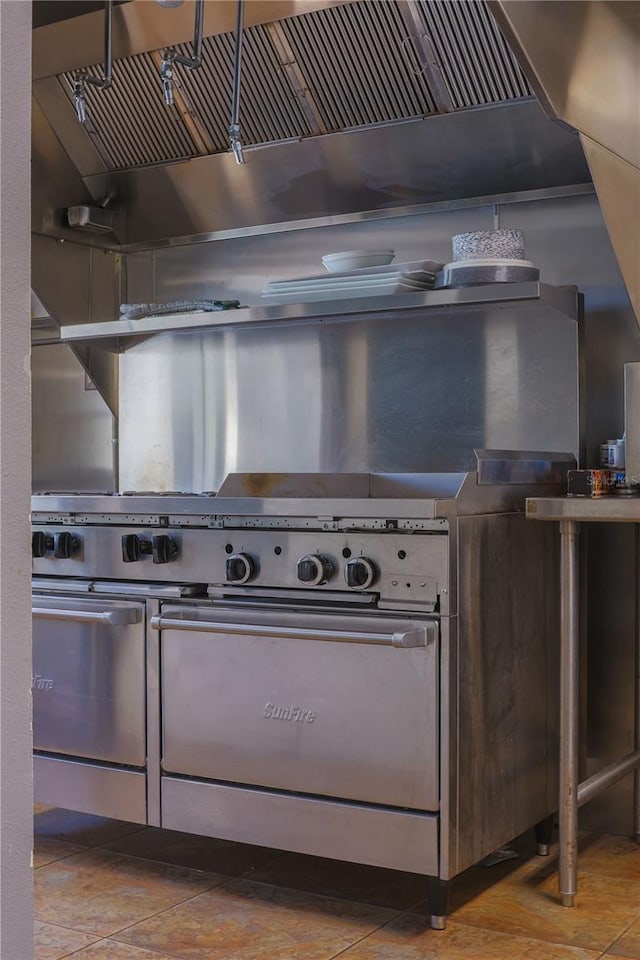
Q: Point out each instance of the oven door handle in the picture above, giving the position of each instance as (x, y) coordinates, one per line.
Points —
(117, 617)
(415, 637)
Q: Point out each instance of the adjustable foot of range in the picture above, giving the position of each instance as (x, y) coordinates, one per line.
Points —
(544, 835)
(567, 899)
(438, 902)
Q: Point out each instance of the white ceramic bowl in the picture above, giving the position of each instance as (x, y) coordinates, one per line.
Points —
(356, 260)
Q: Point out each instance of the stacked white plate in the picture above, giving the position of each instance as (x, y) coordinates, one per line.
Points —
(368, 282)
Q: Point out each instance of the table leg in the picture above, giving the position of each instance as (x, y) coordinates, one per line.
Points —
(569, 710)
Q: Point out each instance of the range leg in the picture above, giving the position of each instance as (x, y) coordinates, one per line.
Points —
(569, 711)
(544, 835)
(438, 902)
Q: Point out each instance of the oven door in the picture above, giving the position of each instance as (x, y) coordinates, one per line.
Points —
(89, 679)
(336, 706)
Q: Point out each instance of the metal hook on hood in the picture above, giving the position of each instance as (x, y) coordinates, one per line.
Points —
(80, 80)
(235, 132)
(171, 56)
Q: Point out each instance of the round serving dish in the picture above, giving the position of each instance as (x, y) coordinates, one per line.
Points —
(356, 260)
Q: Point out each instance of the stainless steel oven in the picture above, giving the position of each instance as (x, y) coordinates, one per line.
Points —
(336, 706)
(89, 702)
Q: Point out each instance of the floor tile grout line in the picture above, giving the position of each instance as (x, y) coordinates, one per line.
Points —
(86, 933)
(478, 925)
(624, 933)
(74, 952)
(152, 916)
(156, 950)
(66, 856)
(115, 936)
(128, 856)
(128, 926)
(371, 932)
(531, 937)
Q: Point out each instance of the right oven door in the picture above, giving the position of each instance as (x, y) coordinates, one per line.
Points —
(333, 706)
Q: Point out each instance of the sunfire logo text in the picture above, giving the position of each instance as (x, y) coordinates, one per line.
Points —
(296, 714)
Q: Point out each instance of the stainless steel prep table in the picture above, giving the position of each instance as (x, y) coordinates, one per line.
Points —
(570, 513)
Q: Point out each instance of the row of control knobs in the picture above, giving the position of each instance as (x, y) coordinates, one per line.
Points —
(162, 549)
(63, 545)
(312, 570)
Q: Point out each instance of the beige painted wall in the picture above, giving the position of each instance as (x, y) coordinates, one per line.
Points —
(16, 824)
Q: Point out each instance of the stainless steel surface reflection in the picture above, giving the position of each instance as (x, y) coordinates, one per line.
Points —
(89, 679)
(397, 391)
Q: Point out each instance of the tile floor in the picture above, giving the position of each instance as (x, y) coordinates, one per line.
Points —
(116, 891)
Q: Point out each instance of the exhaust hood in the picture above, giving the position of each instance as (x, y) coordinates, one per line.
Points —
(346, 107)
(583, 61)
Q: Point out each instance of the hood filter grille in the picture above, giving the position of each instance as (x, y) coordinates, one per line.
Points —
(129, 124)
(476, 62)
(359, 64)
(340, 67)
(269, 110)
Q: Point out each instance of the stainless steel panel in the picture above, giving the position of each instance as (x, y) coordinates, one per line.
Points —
(598, 95)
(56, 184)
(72, 426)
(340, 831)
(347, 396)
(404, 210)
(413, 581)
(89, 681)
(89, 788)
(139, 28)
(523, 466)
(502, 654)
(373, 168)
(66, 300)
(618, 186)
(563, 299)
(275, 710)
(568, 240)
(76, 283)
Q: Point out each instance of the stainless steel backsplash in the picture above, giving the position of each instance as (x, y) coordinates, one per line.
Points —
(401, 391)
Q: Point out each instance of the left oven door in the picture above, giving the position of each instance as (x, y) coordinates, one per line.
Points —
(89, 679)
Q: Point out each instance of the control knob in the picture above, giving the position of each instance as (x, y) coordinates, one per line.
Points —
(40, 543)
(314, 569)
(360, 573)
(164, 549)
(133, 547)
(65, 545)
(240, 568)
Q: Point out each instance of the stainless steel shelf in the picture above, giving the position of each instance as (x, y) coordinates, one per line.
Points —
(562, 299)
(608, 509)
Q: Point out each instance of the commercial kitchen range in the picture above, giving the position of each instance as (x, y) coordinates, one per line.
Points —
(349, 646)
(355, 666)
